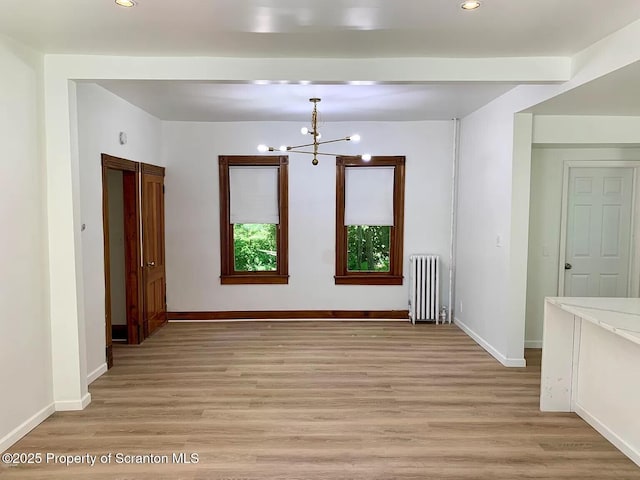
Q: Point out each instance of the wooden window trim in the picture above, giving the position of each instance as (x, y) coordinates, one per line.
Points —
(394, 275)
(229, 276)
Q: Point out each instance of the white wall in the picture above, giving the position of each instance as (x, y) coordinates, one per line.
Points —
(495, 146)
(589, 129)
(25, 335)
(116, 247)
(484, 199)
(101, 116)
(192, 218)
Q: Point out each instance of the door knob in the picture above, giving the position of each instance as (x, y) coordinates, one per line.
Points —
(151, 264)
(568, 266)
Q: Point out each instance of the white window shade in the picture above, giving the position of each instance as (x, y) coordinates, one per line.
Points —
(368, 196)
(253, 194)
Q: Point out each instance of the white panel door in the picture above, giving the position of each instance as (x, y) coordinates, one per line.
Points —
(598, 232)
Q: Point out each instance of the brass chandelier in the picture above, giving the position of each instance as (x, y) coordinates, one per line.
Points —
(313, 131)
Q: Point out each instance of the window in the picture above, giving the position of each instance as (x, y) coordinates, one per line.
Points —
(369, 220)
(253, 219)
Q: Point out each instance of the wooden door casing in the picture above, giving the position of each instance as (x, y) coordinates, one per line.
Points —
(153, 251)
(131, 201)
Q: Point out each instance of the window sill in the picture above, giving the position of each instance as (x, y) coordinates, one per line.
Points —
(368, 279)
(256, 279)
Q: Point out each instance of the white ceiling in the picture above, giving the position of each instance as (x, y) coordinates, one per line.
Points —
(329, 28)
(613, 94)
(326, 28)
(196, 101)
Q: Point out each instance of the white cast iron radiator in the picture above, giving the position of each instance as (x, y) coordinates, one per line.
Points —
(424, 288)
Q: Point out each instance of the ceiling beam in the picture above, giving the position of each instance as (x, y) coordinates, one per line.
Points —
(533, 70)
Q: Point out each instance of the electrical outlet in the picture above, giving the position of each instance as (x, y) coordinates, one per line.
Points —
(460, 307)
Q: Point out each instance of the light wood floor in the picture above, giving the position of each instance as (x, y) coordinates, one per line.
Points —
(321, 400)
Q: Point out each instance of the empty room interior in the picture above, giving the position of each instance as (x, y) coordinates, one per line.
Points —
(349, 239)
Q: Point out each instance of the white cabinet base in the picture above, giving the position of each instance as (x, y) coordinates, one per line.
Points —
(591, 366)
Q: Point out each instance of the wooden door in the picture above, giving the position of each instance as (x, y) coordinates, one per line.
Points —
(598, 232)
(154, 284)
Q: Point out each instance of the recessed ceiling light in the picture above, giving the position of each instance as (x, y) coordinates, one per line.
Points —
(470, 4)
(126, 3)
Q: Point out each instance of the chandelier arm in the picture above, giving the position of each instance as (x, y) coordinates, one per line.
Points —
(301, 146)
(319, 143)
(327, 154)
(345, 139)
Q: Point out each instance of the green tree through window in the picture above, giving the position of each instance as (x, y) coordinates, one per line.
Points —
(255, 247)
(368, 248)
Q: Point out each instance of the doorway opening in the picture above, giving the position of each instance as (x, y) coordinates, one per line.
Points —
(122, 266)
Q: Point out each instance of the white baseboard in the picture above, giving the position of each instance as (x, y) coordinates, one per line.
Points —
(70, 405)
(25, 427)
(533, 344)
(603, 430)
(98, 372)
(507, 362)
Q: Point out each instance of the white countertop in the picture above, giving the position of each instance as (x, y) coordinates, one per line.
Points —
(618, 315)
